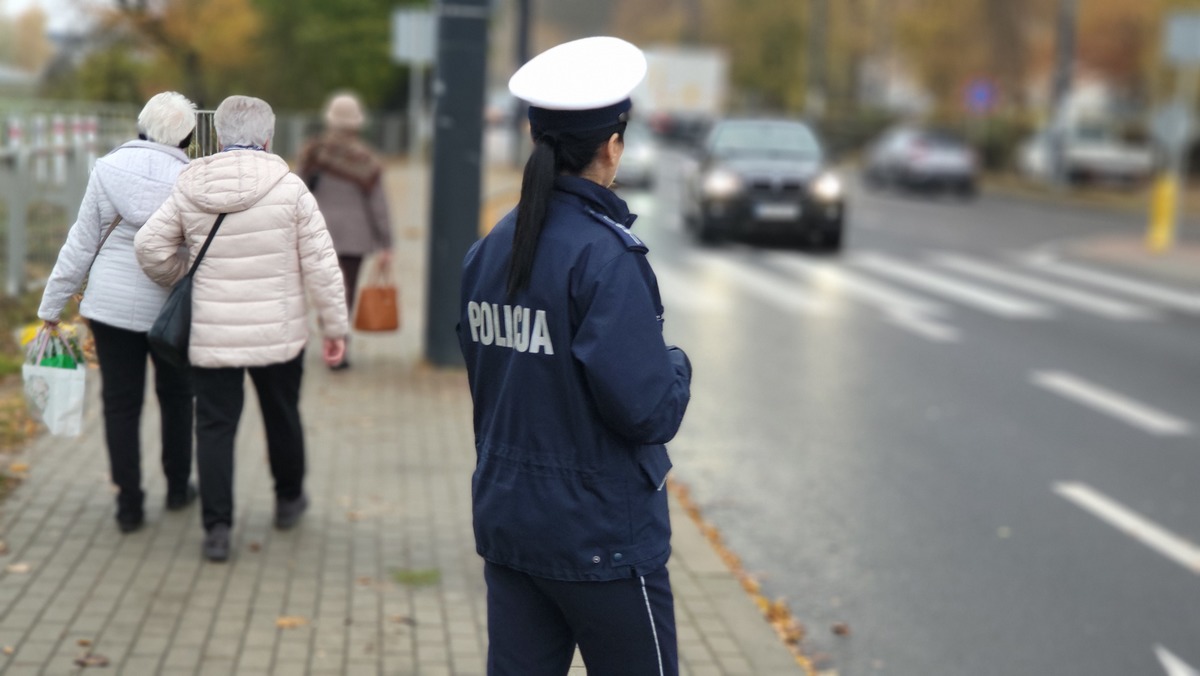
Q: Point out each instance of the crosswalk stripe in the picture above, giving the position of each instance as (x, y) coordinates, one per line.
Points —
(1173, 665)
(1115, 405)
(924, 326)
(978, 297)
(1162, 295)
(1133, 524)
(773, 289)
(885, 297)
(1080, 300)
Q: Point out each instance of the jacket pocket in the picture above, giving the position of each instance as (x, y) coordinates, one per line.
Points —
(655, 464)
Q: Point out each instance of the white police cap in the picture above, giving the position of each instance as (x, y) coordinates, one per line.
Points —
(580, 75)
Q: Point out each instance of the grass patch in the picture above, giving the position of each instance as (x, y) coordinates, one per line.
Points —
(417, 577)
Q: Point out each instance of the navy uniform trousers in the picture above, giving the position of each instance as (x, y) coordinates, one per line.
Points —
(622, 627)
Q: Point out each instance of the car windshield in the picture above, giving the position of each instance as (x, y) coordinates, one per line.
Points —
(765, 138)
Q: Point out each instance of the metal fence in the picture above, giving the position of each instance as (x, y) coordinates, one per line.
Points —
(47, 149)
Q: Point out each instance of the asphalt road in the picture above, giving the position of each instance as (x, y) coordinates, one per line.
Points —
(978, 456)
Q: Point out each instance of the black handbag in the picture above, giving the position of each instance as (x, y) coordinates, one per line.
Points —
(172, 330)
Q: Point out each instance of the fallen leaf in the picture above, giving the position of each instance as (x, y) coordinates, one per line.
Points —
(290, 621)
(83, 642)
(353, 516)
(8, 650)
(365, 581)
(403, 619)
(3, 547)
(18, 568)
(417, 577)
(19, 467)
(841, 629)
(255, 546)
(91, 660)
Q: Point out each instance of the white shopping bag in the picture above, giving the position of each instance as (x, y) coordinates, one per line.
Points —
(55, 384)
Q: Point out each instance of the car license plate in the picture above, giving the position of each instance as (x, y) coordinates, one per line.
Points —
(777, 212)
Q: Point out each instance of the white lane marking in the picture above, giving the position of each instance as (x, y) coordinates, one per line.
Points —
(978, 297)
(1088, 302)
(1106, 401)
(883, 296)
(784, 293)
(924, 326)
(1162, 295)
(1173, 665)
(680, 291)
(1132, 524)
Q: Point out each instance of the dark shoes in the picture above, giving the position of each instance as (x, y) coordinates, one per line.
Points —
(340, 366)
(129, 520)
(288, 512)
(180, 500)
(216, 543)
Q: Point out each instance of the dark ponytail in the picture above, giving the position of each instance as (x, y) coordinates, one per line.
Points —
(553, 154)
(536, 185)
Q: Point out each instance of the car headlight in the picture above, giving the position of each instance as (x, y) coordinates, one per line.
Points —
(828, 188)
(722, 183)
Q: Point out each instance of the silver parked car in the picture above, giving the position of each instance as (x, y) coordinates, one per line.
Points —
(914, 158)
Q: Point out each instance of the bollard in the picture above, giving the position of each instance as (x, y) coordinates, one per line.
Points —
(58, 126)
(1160, 235)
(90, 125)
(39, 149)
(77, 141)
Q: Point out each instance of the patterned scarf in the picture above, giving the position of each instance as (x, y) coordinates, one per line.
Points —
(342, 155)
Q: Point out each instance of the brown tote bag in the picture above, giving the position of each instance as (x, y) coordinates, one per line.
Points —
(378, 307)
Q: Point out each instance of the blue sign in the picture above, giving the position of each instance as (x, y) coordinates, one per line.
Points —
(980, 95)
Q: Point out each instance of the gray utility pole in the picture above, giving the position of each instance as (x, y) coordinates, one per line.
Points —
(518, 106)
(1064, 67)
(818, 26)
(457, 166)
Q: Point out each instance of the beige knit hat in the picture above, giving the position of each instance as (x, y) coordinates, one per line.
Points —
(344, 112)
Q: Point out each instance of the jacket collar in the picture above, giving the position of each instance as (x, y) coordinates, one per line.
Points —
(177, 153)
(597, 197)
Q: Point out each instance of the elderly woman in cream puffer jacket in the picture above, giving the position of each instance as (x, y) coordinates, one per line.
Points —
(248, 306)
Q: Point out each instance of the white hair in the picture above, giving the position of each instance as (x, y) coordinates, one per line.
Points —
(167, 118)
(244, 121)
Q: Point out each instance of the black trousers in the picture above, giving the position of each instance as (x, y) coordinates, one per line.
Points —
(622, 627)
(122, 355)
(350, 266)
(219, 400)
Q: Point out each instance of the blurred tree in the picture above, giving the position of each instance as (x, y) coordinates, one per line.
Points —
(31, 49)
(312, 47)
(945, 44)
(200, 47)
(765, 41)
(645, 23)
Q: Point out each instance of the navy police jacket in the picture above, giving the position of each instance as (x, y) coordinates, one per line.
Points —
(575, 394)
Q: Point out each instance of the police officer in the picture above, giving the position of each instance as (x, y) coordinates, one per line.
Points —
(575, 391)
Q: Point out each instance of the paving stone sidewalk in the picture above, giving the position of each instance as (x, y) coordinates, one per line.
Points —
(381, 577)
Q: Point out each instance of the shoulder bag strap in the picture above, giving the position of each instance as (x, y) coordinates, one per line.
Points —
(103, 239)
(204, 249)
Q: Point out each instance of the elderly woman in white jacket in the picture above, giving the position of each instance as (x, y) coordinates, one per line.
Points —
(121, 302)
(248, 306)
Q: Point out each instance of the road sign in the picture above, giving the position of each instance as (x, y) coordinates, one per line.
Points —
(414, 36)
(1183, 39)
(980, 95)
(1171, 124)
